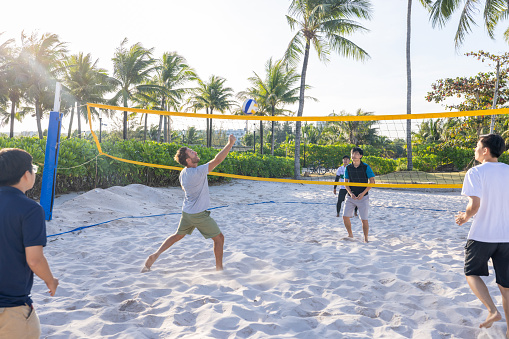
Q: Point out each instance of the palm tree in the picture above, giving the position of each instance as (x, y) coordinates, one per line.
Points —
(41, 57)
(172, 73)
(426, 4)
(86, 82)
(353, 132)
(494, 10)
(323, 24)
(12, 85)
(131, 68)
(6, 55)
(212, 95)
(275, 91)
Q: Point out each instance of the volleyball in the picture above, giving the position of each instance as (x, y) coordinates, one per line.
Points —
(249, 106)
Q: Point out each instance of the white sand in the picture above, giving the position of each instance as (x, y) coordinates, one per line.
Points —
(289, 271)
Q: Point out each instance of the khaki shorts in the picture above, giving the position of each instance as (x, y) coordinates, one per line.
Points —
(202, 221)
(362, 205)
(20, 322)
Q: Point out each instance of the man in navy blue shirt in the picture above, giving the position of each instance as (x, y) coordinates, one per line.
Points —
(22, 238)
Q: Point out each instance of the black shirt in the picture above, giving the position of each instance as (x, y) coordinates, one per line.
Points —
(360, 174)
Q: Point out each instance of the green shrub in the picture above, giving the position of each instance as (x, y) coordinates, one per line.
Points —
(81, 169)
(380, 165)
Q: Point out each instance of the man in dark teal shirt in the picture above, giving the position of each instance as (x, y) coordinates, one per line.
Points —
(357, 197)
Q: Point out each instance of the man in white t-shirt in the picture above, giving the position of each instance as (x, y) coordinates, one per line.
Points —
(340, 177)
(487, 188)
(193, 180)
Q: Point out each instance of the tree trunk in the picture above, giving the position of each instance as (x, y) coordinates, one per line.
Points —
(210, 128)
(38, 115)
(78, 117)
(409, 88)
(125, 119)
(160, 128)
(13, 114)
(261, 137)
(145, 131)
(495, 97)
(69, 133)
(165, 129)
(296, 167)
(272, 136)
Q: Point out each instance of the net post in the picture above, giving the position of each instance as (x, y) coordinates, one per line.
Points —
(49, 173)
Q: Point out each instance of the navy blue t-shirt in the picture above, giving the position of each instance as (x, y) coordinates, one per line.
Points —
(22, 224)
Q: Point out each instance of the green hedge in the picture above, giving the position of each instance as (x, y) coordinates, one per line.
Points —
(79, 168)
(380, 165)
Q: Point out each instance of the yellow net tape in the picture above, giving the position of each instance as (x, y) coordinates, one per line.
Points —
(285, 118)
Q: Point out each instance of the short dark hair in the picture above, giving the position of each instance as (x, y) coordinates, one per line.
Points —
(358, 149)
(14, 163)
(494, 142)
(346, 157)
(181, 156)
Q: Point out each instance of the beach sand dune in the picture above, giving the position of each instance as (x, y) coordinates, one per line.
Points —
(289, 271)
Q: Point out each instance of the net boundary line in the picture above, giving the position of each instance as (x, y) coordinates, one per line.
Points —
(236, 176)
(417, 116)
(80, 228)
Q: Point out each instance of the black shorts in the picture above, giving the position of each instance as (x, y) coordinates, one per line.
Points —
(478, 253)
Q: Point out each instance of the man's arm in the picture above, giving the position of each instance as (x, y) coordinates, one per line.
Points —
(222, 155)
(348, 189)
(473, 206)
(336, 180)
(39, 265)
(366, 190)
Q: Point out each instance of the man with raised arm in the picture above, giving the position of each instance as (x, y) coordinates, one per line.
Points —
(193, 180)
(22, 238)
(357, 197)
(487, 189)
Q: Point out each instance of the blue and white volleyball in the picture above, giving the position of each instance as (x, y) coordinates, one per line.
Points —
(249, 106)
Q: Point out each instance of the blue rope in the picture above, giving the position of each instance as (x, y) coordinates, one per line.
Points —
(213, 208)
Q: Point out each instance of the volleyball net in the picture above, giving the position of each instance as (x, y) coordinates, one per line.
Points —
(268, 142)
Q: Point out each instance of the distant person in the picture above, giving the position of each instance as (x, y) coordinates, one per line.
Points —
(357, 172)
(487, 188)
(193, 180)
(340, 177)
(22, 238)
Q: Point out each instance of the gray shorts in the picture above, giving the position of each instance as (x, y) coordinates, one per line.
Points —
(362, 205)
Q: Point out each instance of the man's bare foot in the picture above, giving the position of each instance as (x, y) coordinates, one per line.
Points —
(337, 215)
(492, 317)
(149, 262)
(219, 268)
(366, 240)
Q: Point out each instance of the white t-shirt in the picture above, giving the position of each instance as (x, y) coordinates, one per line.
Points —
(196, 187)
(341, 173)
(490, 182)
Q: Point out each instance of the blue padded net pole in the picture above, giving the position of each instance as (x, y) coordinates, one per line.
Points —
(49, 173)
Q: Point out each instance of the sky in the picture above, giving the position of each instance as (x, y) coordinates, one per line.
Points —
(234, 38)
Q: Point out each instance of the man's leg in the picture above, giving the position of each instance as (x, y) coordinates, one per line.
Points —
(480, 290)
(348, 226)
(365, 229)
(341, 198)
(165, 245)
(505, 304)
(218, 250)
